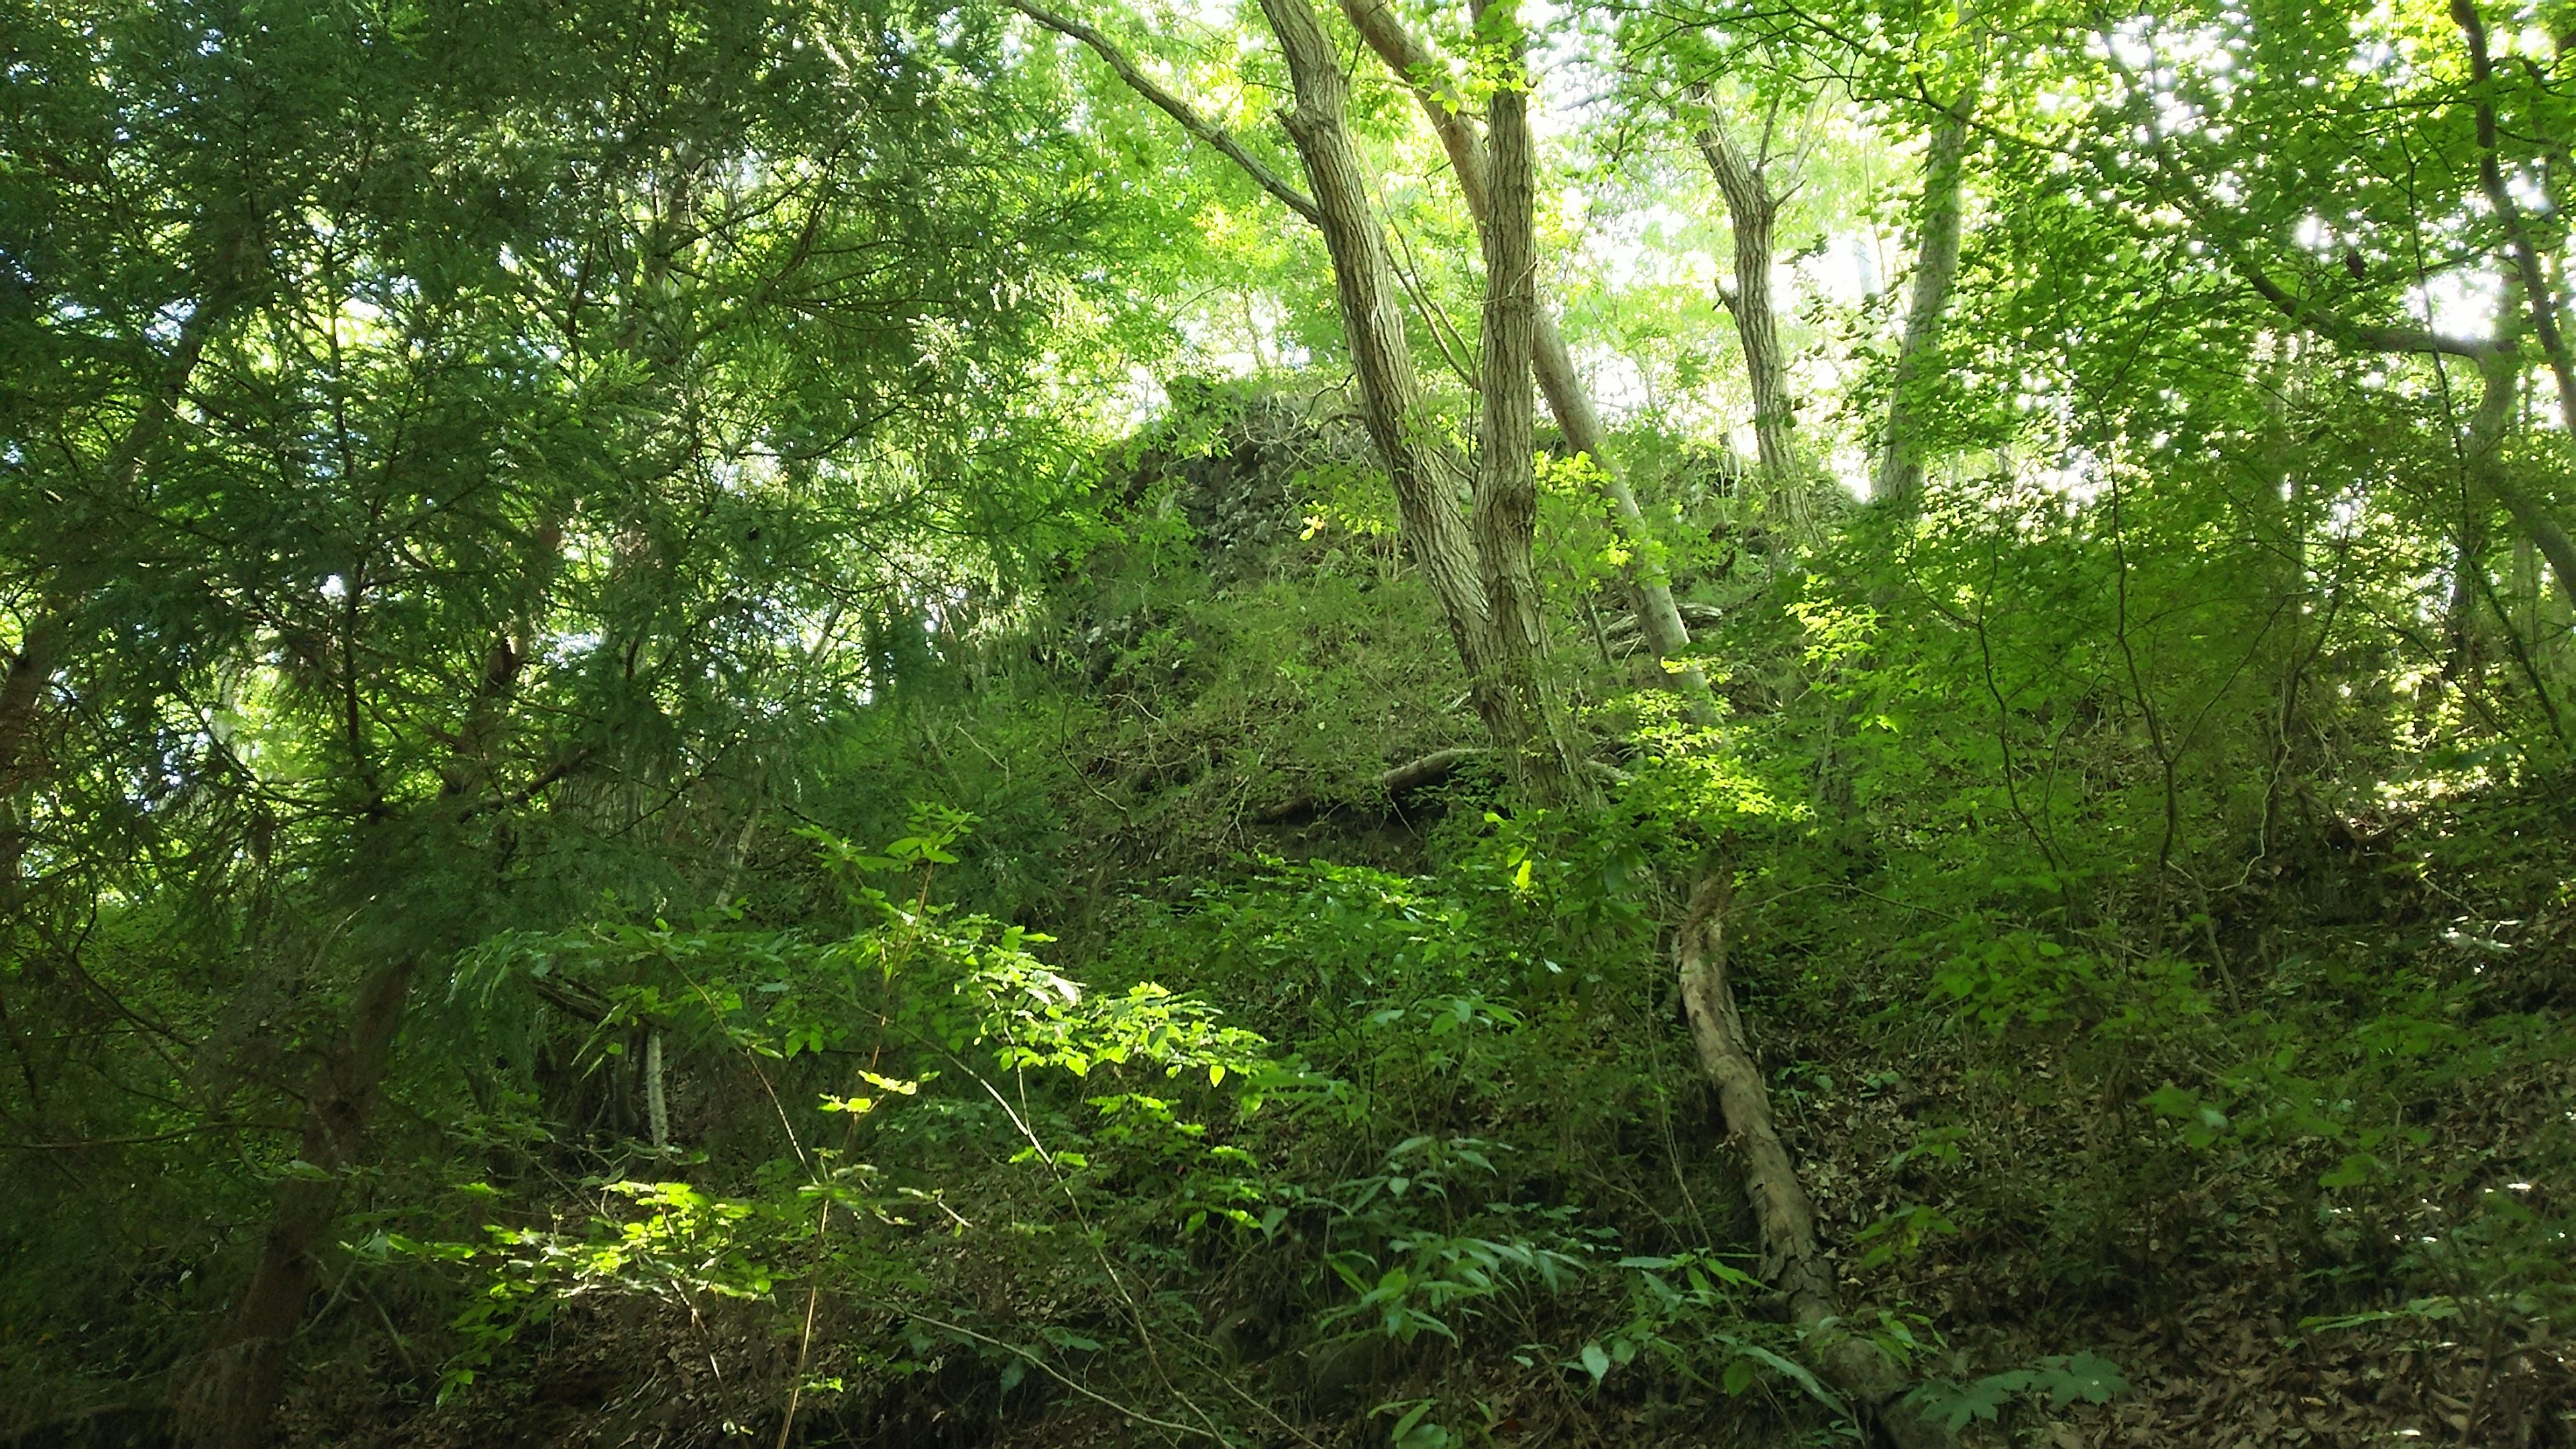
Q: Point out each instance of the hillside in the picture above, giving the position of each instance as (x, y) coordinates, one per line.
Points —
(922, 725)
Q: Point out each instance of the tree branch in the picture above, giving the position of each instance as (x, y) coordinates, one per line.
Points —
(2335, 327)
(2536, 292)
(1173, 106)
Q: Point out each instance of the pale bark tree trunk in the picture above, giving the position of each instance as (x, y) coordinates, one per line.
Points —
(1793, 1260)
(1425, 473)
(1898, 481)
(2500, 381)
(1461, 568)
(1659, 617)
(2524, 587)
(1504, 521)
(1752, 216)
(657, 1105)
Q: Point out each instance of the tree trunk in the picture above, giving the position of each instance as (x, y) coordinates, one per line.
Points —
(1505, 519)
(22, 692)
(1659, 617)
(1899, 479)
(1752, 213)
(657, 1105)
(1368, 297)
(1501, 670)
(1792, 1260)
(229, 1397)
(2500, 377)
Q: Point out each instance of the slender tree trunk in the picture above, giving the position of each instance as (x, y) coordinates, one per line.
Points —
(1793, 1261)
(1752, 215)
(22, 685)
(1372, 316)
(22, 693)
(228, 1399)
(2461, 656)
(1898, 481)
(2524, 618)
(1659, 617)
(2553, 630)
(2500, 380)
(1505, 518)
(2538, 296)
(1461, 568)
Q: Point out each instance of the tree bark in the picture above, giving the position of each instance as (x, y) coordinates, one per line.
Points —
(1321, 94)
(1752, 215)
(2537, 294)
(1505, 518)
(1461, 568)
(1567, 401)
(1792, 1259)
(229, 1396)
(2500, 379)
(22, 692)
(1898, 481)
(657, 1106)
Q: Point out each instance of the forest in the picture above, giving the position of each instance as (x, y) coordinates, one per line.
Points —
(1263, 723)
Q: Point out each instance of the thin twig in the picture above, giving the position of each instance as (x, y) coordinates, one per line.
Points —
(1051, 1371)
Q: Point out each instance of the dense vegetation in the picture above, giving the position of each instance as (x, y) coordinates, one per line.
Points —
(903, 722)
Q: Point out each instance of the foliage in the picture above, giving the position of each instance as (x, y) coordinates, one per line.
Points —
(504, 509)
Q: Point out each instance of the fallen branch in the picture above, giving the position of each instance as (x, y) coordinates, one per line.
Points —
(1792, 1260)
(1628, 630)
(1432, 769)
(1397, 781)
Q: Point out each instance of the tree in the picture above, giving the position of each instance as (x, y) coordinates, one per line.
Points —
(1486, 582)
(445, 459)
